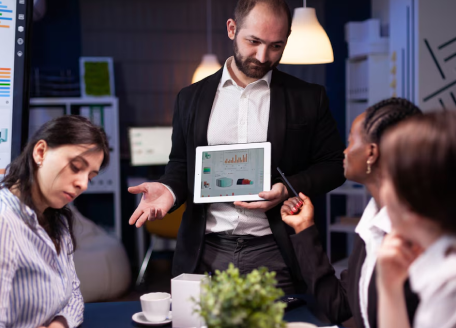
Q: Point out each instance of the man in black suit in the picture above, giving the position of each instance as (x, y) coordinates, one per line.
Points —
(248, 100)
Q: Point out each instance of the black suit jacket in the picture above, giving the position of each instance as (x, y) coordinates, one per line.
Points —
(339, 298)
(305, 145)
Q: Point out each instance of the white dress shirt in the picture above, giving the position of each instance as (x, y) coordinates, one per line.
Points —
(239, 115)
(36, 283)
(372, 227)
(433, 278)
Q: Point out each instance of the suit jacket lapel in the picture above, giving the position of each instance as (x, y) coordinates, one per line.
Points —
(372, 301)
(360, 249)
(276, 136)
(205, 100)
(277, 120)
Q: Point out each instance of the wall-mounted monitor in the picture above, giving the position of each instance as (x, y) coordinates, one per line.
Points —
(15, 32)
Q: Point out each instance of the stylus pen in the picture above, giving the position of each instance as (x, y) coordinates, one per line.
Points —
(295, 209)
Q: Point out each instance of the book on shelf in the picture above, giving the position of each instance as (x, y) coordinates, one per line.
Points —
(349, 220)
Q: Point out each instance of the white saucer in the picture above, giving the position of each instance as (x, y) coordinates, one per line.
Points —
(140, 318)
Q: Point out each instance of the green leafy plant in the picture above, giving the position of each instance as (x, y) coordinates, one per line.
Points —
(230, 299)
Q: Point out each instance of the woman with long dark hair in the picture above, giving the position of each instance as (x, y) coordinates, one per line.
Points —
(419, 190)
(354, 294)
(38, 282)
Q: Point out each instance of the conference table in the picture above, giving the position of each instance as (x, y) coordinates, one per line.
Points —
(119, 315)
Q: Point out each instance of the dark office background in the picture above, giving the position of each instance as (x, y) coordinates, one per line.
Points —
(156, 46)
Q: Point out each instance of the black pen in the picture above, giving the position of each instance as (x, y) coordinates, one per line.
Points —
(295, 209)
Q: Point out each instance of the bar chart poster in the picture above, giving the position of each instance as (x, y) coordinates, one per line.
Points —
(7, 56)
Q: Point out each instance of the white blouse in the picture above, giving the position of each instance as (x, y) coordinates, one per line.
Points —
(433, 278)
(372, 228)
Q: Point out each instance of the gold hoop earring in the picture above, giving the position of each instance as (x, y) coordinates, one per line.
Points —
(369, 169)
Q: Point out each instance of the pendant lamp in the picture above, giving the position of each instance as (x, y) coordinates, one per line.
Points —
(209, 65)
(308, 42)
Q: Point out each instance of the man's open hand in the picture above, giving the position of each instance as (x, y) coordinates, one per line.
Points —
(157, 200)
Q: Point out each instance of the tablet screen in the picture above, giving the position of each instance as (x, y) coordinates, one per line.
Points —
(232, 172)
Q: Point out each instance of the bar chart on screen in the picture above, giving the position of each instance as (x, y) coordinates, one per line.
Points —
(5, 84)
(15, 19)
(6, 14)
(7, 49)
(234, 158)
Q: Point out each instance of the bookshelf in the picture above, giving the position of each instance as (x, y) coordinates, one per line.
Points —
(103, 111)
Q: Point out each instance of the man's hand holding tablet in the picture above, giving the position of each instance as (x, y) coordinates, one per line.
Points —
(275, 196)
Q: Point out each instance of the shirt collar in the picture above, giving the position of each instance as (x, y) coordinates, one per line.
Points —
(373, 218)
(382, 221)
(226, 76)
(424, 269)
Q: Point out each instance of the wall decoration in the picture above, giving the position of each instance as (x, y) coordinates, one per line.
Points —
(97, 76)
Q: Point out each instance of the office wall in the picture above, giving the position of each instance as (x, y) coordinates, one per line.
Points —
(56, 38)
(380, 10)
(156, 46)
(337, 14)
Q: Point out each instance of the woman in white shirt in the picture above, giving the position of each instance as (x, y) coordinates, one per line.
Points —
(354, 294)
(38, 282)
(419, 190)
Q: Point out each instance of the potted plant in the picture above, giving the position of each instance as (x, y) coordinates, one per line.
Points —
(230, 299)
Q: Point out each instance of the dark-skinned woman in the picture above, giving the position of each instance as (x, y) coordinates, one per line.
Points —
(354, 294)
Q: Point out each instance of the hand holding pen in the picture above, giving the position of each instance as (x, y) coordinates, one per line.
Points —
(299, 202)
(297, 212)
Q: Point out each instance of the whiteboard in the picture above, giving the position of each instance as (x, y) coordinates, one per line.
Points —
(150, 145)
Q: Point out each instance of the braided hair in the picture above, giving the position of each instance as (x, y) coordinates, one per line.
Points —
(386, 114)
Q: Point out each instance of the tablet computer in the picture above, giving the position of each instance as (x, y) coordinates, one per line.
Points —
(228, 173)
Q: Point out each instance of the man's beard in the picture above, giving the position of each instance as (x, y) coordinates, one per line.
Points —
(252, 67)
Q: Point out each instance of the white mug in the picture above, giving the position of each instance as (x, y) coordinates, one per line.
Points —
(155, 306)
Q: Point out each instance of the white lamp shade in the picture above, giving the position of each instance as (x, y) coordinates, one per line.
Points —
(308, 42)
(209, 65)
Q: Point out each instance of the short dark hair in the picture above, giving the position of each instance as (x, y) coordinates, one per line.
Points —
(386, 114)
(419, 155)
(244, 7)
(20, 174)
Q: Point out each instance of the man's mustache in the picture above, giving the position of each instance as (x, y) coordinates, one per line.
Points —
(257, 62)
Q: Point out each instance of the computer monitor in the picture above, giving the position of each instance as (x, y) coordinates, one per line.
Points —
(150, 145)
(15, 32)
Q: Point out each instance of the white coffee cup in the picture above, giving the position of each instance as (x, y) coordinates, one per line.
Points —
(155, 306)
(300, 325)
